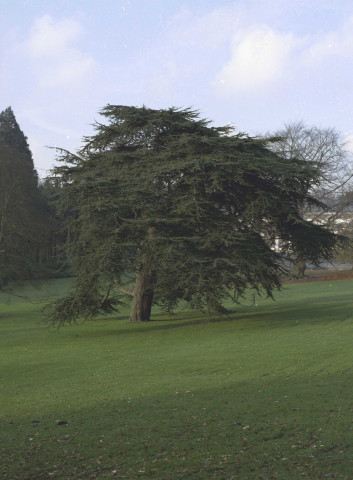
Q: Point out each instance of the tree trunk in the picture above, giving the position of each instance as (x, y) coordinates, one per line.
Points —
(299, 267)
(142, 297)
(143, 291)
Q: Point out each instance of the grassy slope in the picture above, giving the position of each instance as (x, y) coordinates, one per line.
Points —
(266, 394)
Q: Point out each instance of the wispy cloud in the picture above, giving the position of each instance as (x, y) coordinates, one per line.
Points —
(52, 47)
(335, 44)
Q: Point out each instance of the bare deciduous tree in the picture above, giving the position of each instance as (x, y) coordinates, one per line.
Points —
(326, 148)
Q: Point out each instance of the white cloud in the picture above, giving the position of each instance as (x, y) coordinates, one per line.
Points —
(263, 57)
(52, 38)
(51, 48)
(258, 59)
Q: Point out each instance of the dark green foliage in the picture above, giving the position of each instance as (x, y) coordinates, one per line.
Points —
(56, 262)
(25, 227)
(87, 302)
(16, 256)
(164, 204)
(15, 139)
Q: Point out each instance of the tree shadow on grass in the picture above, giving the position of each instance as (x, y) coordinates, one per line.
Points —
(267, 316)
(269, 427)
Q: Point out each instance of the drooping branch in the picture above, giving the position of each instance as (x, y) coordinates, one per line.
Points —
(106, 295)
(123, 289)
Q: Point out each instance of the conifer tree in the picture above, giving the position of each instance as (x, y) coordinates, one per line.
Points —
(15, 139)
(165, 207)
(23, 223)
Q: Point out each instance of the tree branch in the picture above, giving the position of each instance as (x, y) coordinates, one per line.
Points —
(106, 295)
(123, 289)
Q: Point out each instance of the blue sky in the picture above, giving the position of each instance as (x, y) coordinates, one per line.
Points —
(256, 64)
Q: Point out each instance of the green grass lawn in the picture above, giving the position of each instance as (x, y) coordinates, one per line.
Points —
(264, 394)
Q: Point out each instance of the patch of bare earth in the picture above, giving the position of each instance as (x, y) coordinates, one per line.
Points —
(322, 276)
